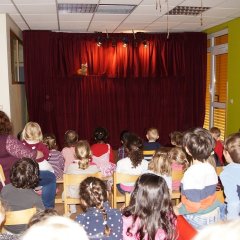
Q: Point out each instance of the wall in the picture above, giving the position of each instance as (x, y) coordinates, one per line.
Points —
(12, 97)
(233, 104)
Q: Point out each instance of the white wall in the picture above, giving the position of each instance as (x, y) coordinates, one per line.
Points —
(12, 96)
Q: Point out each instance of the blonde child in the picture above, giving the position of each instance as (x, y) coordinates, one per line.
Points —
(161, 166)
(179, 163)
(99, 220)
(32, 136)
(56, 158)
(81, 165)
(150, 213)
(68, 152)
(152, 145)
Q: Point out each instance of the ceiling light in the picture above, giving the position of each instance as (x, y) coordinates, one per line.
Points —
(187, 10)
(76, 8)
(115, 8)
(145, 43)
(125, 42)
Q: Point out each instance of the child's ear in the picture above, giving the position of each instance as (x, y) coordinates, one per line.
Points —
(227, 156)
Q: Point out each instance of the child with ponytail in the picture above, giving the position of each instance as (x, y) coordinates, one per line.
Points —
(99, 220)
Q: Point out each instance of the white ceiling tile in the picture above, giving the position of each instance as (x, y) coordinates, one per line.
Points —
(75, 17)
(34, 2)
(5, 2)
(147, 18)
(43, 25)
(230, 4)
(40, 17)
(153, 2)
(37, 9)
(222, 12)
(7, 8)
(74, 25)
(128, 2)
(109, 17)
(79, 1)
(205, 3)
(22, 26)
(16, 17)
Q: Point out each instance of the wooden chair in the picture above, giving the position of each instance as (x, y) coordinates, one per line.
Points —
(220, 194)
(74, 180)
(19, 217)
(2, 176)
(176, 194)
(121, 178)
(58, 198)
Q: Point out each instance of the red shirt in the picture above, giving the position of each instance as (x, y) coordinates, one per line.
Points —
(99, 149)
(219, 151)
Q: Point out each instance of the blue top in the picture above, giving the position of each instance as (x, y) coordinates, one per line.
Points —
(231, 182)
(92, 221)
(149, 149)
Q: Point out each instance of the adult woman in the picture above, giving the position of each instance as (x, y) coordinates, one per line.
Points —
(11, 149)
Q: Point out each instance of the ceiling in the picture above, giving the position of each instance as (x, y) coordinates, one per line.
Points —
(146, 16)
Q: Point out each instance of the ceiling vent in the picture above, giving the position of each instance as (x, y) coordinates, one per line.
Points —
(76, 8)
(187, 10)
(94, 8)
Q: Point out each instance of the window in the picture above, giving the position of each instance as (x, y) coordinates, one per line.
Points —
(17, 65)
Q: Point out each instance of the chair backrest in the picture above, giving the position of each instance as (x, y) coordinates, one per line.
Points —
(219, 170)
(177, 175)
(19, 217)
(74, 180)
(121, 178)
(2, 176)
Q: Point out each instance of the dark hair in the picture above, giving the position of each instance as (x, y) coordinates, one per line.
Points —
(215, 130)
(100, 134)
(199, 143)
(25, 173)
(151, 203)
(70, 138)
(5, 124)
(93, 193)
(134, 149)
(124, 136)
(176, 138)
(50, 141)
(232, 145)
(42, 215)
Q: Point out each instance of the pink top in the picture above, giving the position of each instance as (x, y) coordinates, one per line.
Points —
(176, 167)
(133, 234)
(69, 156)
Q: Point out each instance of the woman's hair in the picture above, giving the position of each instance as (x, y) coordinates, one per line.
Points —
(160, 163)
(83, 153)
(150, 203)
(93, 193)
(199, 143)
(5, 124)
(50, 141)
(42, 215)
(134, 148)
(32, 132)
(55, 228)
(178, 155)
(100, 134)
(176, 138)
(232, 145)
(124, 136)
(70, 138)
(25, 174)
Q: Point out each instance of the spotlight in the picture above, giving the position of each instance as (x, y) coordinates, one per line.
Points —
(125, 42)
(99, 41)
(145, 43)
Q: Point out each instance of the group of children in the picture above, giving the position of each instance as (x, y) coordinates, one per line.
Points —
(150, 214)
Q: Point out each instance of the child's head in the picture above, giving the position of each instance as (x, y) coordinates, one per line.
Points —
(232, 148)
(178, 155)
(32, 132)
(134, 148)
(176, 138)
(93, 193)
(5, 124)
(215, 132)
(198, 143)
(151, 203)
(83, 153)
(124, 137)
(25, 174)
(100, 134)
(70, 138)
(152, 135)
(50, 141)
(160, 163)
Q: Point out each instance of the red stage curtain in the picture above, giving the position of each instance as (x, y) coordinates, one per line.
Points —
(131, 88)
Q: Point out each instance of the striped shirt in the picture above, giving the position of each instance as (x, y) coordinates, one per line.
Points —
(149, 149)
(57, 161)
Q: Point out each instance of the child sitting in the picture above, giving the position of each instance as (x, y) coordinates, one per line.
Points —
(56, 158)
(176, 138)
(122, 153)
(179, 163)
(32, 137)
(99, 220)
(68, 152)
(134, 164)
(230, 175)
(150, 214)
(161, 166)
(151, 146)
(198, 186)
(218, 148)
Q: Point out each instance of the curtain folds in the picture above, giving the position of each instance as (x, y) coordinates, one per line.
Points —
(131, 88)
